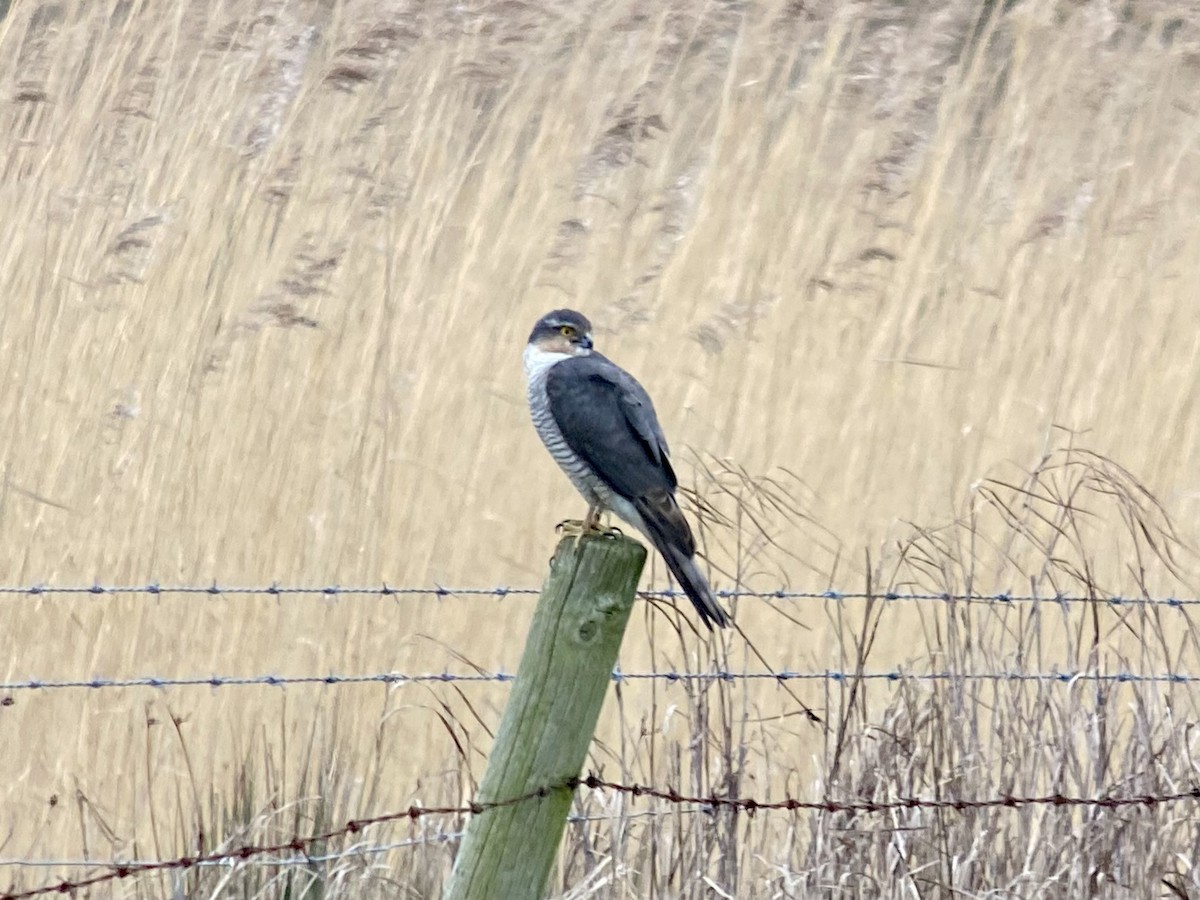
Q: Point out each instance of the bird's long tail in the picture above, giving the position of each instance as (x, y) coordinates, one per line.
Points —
(678, 552)
(695, 585)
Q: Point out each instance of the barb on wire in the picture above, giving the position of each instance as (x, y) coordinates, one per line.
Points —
(746, 805)
(670, 677)
(501, 591)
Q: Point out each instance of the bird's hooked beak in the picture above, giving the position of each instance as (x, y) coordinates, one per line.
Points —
(583, 345)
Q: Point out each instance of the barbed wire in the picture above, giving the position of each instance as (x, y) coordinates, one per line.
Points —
(155, 589)
(671, 677)
(283, 861)
(294, 845)
(300, 845)
(352, 852)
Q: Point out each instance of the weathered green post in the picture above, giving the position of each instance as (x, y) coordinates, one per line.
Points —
(551, 715)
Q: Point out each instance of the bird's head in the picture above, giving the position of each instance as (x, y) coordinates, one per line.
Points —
(562, 331)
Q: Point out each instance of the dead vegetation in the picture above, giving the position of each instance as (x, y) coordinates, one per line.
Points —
(930, 267)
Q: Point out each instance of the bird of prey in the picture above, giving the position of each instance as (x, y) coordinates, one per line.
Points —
(599, 425)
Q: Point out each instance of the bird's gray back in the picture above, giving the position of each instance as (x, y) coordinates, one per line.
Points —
(606, 418)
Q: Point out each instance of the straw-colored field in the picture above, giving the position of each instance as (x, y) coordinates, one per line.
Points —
(266, 271)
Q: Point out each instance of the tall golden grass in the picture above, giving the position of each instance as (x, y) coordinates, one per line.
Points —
(914, 287)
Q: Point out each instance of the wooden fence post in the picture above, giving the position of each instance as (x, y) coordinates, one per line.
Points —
(551, 715)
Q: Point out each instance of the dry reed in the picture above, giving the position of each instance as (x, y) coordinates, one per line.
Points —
(908, 277)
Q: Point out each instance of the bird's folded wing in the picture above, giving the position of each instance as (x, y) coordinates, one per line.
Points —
(608, 420)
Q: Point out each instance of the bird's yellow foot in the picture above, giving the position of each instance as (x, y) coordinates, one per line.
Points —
(570, 527)
(578, 528)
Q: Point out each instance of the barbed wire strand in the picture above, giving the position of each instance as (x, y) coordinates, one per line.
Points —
(295, 845)
(500, 591)
(352, 852)
(670, 677)
(592, 782)
(285, 861)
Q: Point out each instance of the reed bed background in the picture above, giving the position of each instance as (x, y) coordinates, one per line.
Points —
(913, 286)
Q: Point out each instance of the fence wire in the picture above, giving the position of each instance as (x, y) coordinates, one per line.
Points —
(154, 589)
(300, 845)
(335, 592)
(294, 852)
(398, 678)
(355, 851)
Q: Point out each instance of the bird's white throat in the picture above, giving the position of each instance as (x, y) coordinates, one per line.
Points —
(537, 360)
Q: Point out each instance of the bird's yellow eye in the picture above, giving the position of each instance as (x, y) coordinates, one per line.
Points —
(567, 330)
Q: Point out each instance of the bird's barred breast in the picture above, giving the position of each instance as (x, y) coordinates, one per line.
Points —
(576, 469)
